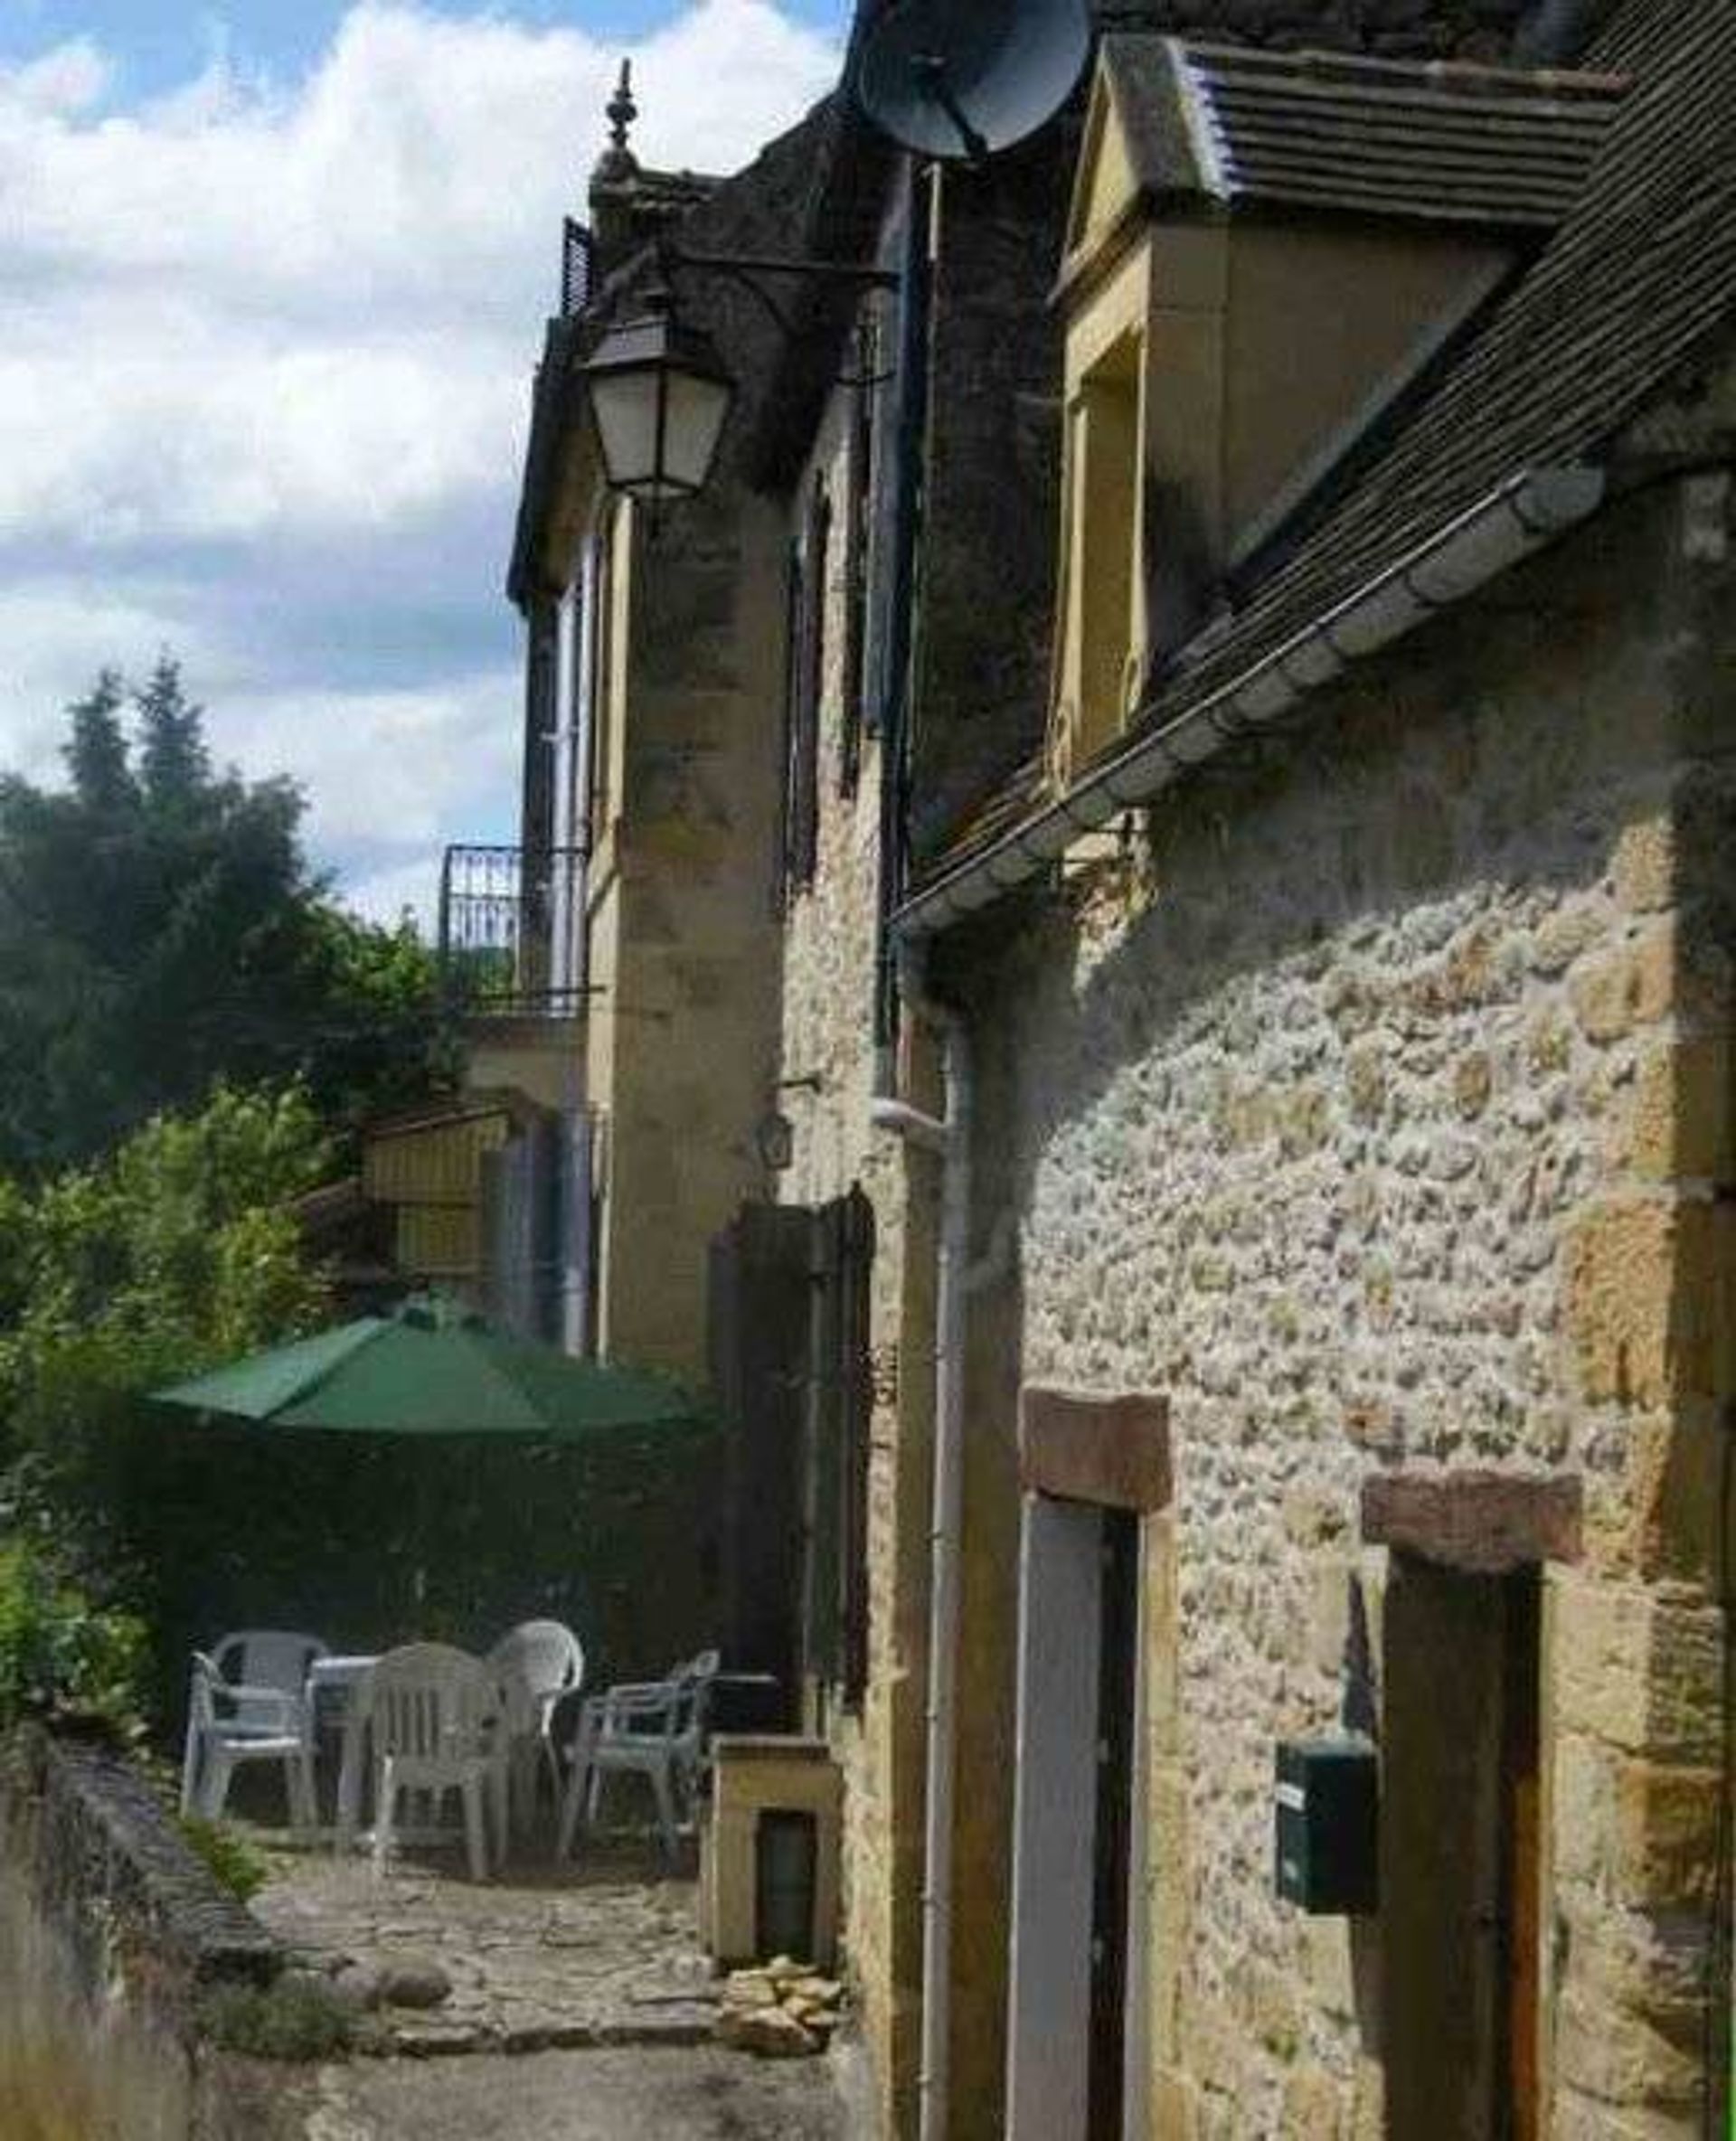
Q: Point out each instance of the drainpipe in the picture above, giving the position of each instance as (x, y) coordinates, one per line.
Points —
(949, 1136)
(577, 719)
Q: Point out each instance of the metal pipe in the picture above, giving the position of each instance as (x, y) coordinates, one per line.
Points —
(578, 1249)
(948, 1137)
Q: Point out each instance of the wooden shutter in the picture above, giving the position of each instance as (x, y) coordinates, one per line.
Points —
(839, 1413)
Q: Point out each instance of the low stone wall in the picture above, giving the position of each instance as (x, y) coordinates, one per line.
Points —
(111, 1933)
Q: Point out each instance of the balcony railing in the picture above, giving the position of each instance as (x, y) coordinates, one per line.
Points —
(576, 259)
(510, 919)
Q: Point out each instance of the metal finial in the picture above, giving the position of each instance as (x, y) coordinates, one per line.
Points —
(621, 110)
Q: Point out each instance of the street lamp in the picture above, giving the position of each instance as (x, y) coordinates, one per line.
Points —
(660, 394)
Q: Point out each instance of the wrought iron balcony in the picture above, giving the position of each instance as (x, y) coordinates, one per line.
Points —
(576, 269)
(510, 924)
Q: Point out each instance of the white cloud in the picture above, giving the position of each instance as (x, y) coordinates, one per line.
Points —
(256, 329)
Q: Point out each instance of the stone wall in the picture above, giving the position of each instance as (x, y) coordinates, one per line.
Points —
(110, 1933)
(1375, 1103)
(828, 1036)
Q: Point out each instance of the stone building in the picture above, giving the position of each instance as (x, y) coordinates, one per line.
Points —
(1315, 1021)
(1216, 1143)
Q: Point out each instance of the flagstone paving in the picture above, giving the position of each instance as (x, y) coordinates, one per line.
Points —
(606, 1953)
(580, 2007)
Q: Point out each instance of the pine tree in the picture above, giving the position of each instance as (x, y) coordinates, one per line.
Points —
(95, 750)
(161, 931)
(174, 764)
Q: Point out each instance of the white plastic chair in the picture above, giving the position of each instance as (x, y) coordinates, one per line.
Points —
(654, 1729)
(438, 1719)
(229, 1723)
(537, 1663)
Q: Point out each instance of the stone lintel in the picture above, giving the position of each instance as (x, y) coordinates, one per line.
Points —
(1113, 1451)
(1483, 1522)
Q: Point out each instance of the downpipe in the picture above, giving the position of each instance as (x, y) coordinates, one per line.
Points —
(948, 1137)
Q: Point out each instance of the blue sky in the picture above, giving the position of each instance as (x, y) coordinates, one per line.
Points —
(161, 42)
(275, 274)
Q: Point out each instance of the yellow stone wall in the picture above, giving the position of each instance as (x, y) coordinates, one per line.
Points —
(1378, 1109)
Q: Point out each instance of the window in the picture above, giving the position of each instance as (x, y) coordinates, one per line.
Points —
(1102, 618)
(805, 642)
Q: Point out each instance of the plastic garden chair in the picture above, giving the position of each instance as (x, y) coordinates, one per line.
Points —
(230, 1723)
(537, 1663)
(654, 1729)
(438, 1719)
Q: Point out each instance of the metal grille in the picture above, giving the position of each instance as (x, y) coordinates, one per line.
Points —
(575, 268)
(509, 924)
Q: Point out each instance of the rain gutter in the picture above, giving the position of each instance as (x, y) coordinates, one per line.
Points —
(1521, 516)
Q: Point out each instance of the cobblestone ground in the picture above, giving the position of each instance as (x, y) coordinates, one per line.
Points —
(605, 1953)
(579, 1997)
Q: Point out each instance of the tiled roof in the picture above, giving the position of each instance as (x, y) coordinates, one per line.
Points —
(1639, 275)
(1636, 284)
(1444, 142)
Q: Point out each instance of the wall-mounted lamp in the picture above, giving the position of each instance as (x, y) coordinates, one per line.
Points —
(660, 393)
(659, 390)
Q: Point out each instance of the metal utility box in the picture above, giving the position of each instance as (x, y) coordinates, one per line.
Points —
(1325, 1810)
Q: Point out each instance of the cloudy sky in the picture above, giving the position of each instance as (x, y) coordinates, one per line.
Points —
(273, 275)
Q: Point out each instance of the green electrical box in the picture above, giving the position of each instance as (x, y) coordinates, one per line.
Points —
(1326, 1809)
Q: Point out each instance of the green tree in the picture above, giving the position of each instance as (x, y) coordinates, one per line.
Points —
(161, 929)
(178, 1251)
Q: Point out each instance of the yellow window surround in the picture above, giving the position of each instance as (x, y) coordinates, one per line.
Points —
(1102, 653)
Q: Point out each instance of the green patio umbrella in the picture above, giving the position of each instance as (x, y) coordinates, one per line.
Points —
(431, 1369)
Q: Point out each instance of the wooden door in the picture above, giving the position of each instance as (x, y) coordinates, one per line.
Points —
(1118, 1668)
(758, 1318)
(1460, 1881)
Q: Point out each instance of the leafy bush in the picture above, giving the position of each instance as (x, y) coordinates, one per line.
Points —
(230, 1858)
(61, 1656)
(297, 2018)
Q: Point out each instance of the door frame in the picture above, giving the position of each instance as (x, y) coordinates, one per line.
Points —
(1080, 1457)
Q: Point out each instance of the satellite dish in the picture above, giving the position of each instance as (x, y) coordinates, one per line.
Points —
(960, 79)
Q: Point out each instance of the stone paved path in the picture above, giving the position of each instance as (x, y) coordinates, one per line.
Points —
(580, 2000)
(607, 1952)
(626, 2094)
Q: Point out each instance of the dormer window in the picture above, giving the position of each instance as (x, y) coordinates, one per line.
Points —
(1103, 621)
(1265, 251)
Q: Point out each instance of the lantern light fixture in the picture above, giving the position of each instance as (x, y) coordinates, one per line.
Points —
(660, 395)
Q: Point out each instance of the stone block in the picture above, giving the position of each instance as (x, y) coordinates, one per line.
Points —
(1481, 1521)
(1681, 1124)
(1315, 2106)
(1644, 865)
(1473, 1083)
(1583, 1815)
(1110, 1450)
(1618, 2056)
(1634, 986)
(1649, 1300)
(1641, 1673)
(1665, 1836)
(1331, 1972)
(1675, 1480)
(1174, 2106)
(1561, 938)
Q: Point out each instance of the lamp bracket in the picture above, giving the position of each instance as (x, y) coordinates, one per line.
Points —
(748, 269)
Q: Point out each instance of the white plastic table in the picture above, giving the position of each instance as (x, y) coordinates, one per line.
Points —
(344, 1677)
